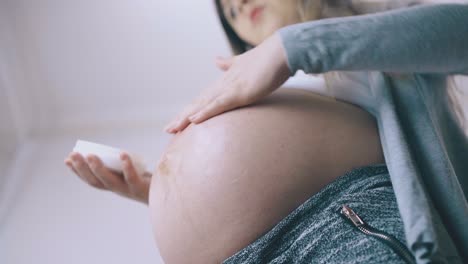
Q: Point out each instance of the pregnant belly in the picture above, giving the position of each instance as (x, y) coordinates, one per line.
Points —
(223, 183)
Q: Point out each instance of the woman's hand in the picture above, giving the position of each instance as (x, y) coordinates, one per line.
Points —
(93, 172)
(248, 77)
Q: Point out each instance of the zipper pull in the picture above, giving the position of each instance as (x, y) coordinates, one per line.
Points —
(351, 215)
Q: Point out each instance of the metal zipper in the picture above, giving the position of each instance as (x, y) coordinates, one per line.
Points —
(391, 241)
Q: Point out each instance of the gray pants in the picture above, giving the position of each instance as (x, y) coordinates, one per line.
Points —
(316, 232)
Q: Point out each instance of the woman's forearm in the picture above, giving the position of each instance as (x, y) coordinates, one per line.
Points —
(421, 39)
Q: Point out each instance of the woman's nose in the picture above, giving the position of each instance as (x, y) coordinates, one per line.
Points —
(239, 4)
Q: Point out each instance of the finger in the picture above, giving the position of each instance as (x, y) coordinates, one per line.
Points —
(111, 180)
(181, 125)
(69, 164)
(137, 184)
(84, 172)
(178, 125)
(178, 122)
(170, 127)
(223, 63)
(208, 95)
(130, 174)
(219, 105)
(183, 120)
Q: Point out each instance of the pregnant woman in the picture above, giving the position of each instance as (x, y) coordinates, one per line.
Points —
(378, 176)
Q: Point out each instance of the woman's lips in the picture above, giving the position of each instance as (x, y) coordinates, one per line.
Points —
(255, 14)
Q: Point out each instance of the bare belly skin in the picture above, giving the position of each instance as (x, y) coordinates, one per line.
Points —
(223, 183)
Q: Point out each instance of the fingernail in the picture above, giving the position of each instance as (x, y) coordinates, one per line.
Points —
(123, 156)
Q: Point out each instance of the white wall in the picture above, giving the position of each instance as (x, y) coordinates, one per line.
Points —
(132, 59)
(8, 143)
(8, 127)
(109, 71)
(28, 109)
(11, 132)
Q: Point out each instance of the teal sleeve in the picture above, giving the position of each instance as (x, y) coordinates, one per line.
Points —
(420, 39)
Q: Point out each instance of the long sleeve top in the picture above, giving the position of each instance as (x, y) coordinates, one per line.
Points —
(425, 148)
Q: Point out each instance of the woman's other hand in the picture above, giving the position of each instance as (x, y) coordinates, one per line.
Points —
(248, 77)
(92, 171)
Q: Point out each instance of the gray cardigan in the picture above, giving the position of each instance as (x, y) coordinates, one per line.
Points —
(425, 149)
